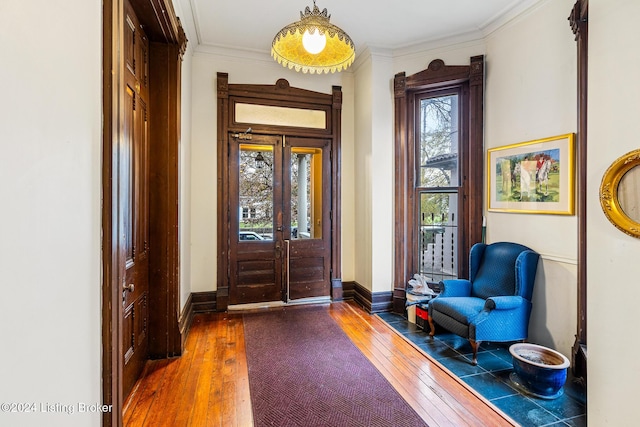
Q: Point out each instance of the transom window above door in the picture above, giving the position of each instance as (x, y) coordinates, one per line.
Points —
(279, 194)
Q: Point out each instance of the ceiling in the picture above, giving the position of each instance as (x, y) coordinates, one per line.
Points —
(251, 24)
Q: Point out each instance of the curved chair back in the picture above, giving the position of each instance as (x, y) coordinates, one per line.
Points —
(492, 278)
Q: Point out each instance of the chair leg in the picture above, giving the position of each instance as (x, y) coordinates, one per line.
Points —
(432, 327)
(474, 346)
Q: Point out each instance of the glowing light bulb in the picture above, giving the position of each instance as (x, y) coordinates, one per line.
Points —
(315, 42)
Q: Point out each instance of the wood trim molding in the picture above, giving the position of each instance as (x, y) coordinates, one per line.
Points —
(401, 254)
(186, 319)
(475, 149)
(164, 199)
(372, 302)
(197, 303)
(336, 192)
(579, 22)
(337, 291)
(204, 302)
(222, 295)
(161, 22)
(348, 290)
(438, 75)
(112, 365)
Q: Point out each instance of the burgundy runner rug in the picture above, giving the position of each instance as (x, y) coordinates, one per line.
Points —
(304, 371)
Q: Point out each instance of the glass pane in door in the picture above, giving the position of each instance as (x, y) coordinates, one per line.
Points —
(255, 193)
(438, 244)
(306, 193)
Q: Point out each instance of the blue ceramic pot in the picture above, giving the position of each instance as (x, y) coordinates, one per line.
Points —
(538, 370)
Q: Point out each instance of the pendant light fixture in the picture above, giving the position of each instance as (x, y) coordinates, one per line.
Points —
(313, 44)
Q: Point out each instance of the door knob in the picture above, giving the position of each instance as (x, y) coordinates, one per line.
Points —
(130, 287)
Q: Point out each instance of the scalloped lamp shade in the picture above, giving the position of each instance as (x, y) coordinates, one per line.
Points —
(313, 44)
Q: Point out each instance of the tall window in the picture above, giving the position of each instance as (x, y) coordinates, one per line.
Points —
(438, 172)
(437, 186)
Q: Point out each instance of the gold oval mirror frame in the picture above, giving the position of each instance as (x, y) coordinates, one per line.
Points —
(610, 194)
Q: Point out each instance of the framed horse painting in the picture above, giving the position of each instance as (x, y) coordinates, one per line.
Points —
(532, 177)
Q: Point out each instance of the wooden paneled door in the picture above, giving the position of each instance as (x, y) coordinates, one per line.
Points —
(142, 52)
(279, 194)
(280, 228)
(134, 201)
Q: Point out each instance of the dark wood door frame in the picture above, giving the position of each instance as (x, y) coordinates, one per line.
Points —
(280, 94)
(436, 76)
(168, 44)
(579, 21)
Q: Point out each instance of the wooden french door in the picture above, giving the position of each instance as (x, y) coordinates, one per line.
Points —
(134, 201)
(280, 229)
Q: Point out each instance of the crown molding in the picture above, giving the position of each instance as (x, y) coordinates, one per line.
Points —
(234, 52)
(515, 10)
(369, 52)
(186, 12)
(460, 40)
(478, 37)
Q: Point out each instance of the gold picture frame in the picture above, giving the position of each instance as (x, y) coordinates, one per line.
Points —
(533, 177)
(620, 193)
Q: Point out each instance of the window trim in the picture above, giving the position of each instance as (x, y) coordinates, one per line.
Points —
(407, 90)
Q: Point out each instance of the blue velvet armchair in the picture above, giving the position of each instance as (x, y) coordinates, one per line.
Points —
(495, 303)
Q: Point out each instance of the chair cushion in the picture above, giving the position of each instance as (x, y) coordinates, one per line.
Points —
(462, 309)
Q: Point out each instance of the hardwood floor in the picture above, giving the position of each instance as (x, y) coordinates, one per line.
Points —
(209, 385)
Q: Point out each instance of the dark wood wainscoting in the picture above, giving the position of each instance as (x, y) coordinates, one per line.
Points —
(204, 302)
(197, 303)
(372, 302)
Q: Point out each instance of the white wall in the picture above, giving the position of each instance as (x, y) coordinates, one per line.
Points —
(612, 257)
(185, 183)
(247, 68)
(363, 117)
(374, 170)
(50, 187)
(185, 155)
(382, 173)
(531, 94)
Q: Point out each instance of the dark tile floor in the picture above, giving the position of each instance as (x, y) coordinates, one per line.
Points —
(490, 377)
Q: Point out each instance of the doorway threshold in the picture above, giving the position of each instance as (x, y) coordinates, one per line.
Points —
(275, 304)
